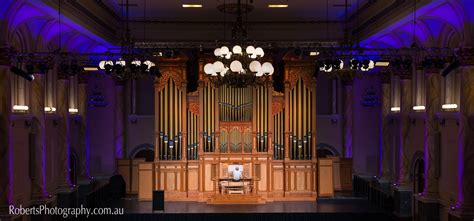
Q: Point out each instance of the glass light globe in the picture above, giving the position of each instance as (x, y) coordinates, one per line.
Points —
(224, 50)
(229, 55)
(237, 49)
(267, 67)
(255, 66)
(259, 74)
(236, 66)
(250, 49)
(259, 52)
(224, 72)
(272, 70)
(209, 68)
(217, 52)
(341, 64)
(253, 56)
(218, 66)
(214, 74)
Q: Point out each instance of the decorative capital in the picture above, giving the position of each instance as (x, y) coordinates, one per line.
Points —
(405, 74)
(82, 78)
(5, 55)
(466, 56)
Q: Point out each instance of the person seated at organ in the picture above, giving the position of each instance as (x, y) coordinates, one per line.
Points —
(236, 174)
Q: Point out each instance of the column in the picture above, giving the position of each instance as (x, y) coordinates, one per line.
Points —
(62, 111)
(405, 110)
(403, 192)
(465, 201)
(6, 191)
(83, 146)
(38, 181)
(348, 120)
(385, 80)
(119, 123)
(433, 106)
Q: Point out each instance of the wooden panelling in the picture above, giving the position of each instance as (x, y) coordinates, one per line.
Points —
(346, 174)
(129, 171)
(336, 173)
(326, 178)
(145, 181)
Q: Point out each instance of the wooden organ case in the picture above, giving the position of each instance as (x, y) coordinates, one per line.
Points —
(199, 134)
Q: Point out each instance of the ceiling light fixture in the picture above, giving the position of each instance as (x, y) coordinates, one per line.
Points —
(240, 65)
(278, 5)
(192, 5)
(382, 63)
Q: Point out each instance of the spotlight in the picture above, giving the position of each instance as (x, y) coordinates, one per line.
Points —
(106, 65)
(338, 64)
(354, 64)
(119, 65)
(135, 65)
(21, 73)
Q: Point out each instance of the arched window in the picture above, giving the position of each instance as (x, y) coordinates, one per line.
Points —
(324, 150)
(147, 154)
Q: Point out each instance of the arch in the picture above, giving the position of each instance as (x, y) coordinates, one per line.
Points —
(74, 167)
(328, 147)
(145, 146)
(419, 155)
(417, 172)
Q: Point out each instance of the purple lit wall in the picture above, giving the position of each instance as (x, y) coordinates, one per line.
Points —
(366, 127)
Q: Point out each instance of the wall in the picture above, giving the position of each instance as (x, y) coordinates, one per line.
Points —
(366, 128)
(101, 132)
(329, 131)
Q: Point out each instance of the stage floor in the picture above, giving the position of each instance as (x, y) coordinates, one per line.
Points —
(334, 205)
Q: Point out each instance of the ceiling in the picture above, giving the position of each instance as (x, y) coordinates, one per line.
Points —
(298, 10)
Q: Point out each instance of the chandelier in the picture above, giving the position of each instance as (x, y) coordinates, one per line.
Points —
(239, 68)
(235, 66)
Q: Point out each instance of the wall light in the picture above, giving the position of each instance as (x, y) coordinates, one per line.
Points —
(395, 109)
(49, 109)
(314, 53)
(20, 108)
(192, 5)
(73, 110)
(419, 108)
(449, 106)
(278, 5)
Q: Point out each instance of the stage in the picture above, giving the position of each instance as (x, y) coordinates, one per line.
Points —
(344, 208)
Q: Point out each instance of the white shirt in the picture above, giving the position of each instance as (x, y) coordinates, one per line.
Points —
(236, 174)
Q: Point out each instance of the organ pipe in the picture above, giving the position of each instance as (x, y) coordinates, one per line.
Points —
(170, 135)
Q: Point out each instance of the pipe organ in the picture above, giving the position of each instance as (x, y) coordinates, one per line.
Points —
(200, 134)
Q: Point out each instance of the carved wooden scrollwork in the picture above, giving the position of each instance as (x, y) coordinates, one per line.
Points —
(193, 108)
(170, 72)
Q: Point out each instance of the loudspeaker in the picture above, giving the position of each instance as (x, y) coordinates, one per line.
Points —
(158, 200)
